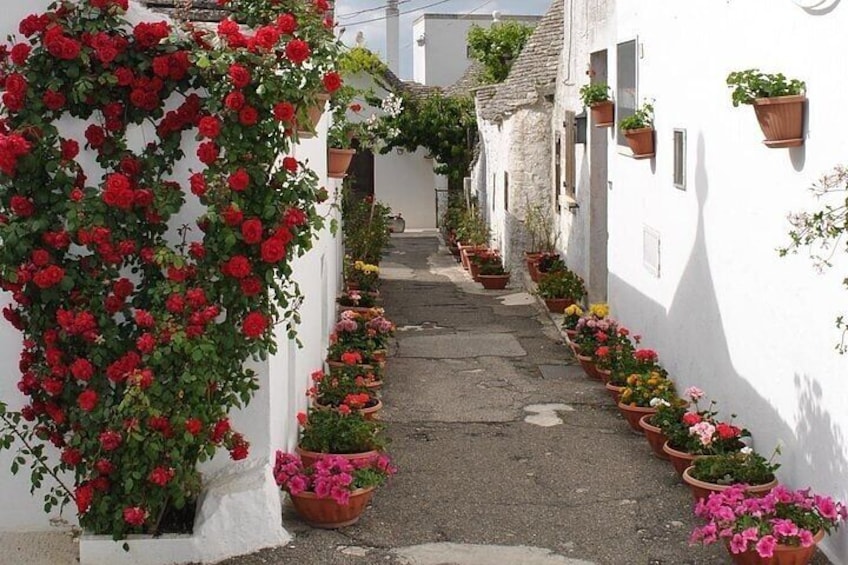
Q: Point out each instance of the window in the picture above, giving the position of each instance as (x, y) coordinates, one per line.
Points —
(557, 174)
(680, 159)
(506, 191)
(626, 94)
(569, 181)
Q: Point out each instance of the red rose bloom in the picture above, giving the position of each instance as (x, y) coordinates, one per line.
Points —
(124, 76)
(82, 369)
(70, 149)
(134, 516)
(232, 216)
(161, 476)
(239, 452)
(146, 343)
(118, 193)
(283, 111)
(19, 53)
(254, 325)
(110, 440)
(54, 100)
(237, 267)
(234, 101)
(332, 81)
(198, 184)
(210, 127)
(267, 37)
(207, 153)
(48, 277)
(104, 467)
(248, 116)
(87, 400)
(22, 206)
(222, 428)
(297, 51)
(239, 76)
(290, 164)
(273, 250)
(251, 286)
(239, 180)
(251, 231)
(286, 23)
(193, 426)
(95, 136)
(83, 495)
(71, 457)
(149, 35)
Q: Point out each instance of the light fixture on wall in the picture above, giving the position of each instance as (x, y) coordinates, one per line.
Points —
(421, 40)
(580, 122)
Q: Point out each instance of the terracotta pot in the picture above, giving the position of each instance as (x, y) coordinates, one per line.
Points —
(634, 413)
(369, 413)
(463, 255)
(782, 120)
(570, 334)
(493, 282)
(603, 113)
(338, 161)
(604, 374)
(310, 457)
(783, 554)
(474, 270)
(365, 368)
(357, 309)
(558, 305)
(327, 513)
(587, 363)
(641, 142)
(655, 436)
(702, 489)
(680, 460)
(314, 112)
(614, 391)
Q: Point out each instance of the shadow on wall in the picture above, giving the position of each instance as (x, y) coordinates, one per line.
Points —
(815, 449)
(575, 244)
(513, 243)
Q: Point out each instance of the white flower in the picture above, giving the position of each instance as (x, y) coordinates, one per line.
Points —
(659, 402)
(746, 450)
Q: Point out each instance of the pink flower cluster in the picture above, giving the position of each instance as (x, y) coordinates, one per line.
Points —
(747, 522)
(332, 476)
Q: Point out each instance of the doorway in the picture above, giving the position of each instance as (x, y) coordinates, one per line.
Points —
(598, 195)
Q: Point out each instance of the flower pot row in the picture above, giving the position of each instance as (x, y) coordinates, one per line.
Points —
(734, 488)
(484, 265)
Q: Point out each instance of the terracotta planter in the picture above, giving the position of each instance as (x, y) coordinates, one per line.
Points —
(603, 113)
(635, 413)
(327, 513)
(603, 374)
(364, 368)
(783, 554)
(310, 457)
(614, 391)
(702, 489)
(314, 113)
(570, 334)
(357, 309)
(558, 305)
(465, 253)
(782, 120)
(338, 161)
(641, 142)
(655, 436)
(532, 261)
(474, 270)
(587, 363)
(493, 282)
(680, 460)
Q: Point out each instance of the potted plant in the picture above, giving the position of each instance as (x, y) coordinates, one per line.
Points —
(569, 324)
(642, 395)
(361, 334)
(561, 289)
(668, 414)
(363, 277)
(701, 433)
(597, 98)
(778, 104)
(548, 262)
(716, 473)
(340, 137)
(639, 131)
(365, 226)
(782, 527)
(344, 432)
(357, 300)
(591, 330)
(491, 272)
(345, 387)
(333, 492)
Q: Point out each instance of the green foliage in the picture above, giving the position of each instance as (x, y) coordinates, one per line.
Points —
(746, 466)
(561, 284)
(361, 60)
(497, 47)
(472, 228)
(489, 263)
(643, 118)
(751, 84)
(594, 93)
(365, 227)
(644, 388)
(333, 389)
(445, 126)
(540, 227)
(329, 431)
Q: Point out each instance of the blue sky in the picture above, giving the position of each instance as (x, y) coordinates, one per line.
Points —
(352, 16)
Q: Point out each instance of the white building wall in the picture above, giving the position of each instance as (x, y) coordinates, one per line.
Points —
(407, 184)
(726, 313)
(269, 422)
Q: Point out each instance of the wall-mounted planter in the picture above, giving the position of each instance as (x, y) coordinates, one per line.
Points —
(338, 161)
(603, 113)
(641, 142)
(781, 119)
(314, 113)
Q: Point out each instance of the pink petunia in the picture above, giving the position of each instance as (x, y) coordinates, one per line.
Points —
(765, 547)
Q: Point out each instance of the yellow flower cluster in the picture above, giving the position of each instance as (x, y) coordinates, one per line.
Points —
(366, 268)
(600, 309)
(574, 310)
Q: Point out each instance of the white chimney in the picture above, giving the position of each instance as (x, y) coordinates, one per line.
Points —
(393, 36)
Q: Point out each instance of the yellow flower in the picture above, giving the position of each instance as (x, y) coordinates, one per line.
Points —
(633, 379)
(574, 310)
(600, 309)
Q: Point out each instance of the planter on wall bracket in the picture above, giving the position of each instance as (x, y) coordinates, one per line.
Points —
(314, 113)
(641, 142)
(603, 113)
(338, 161)
(782, 120)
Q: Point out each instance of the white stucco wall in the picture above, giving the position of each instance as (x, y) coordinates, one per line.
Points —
(269, 422)
(726, 313)
(407, 184)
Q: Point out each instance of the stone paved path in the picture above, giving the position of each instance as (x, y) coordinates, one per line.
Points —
(489, 473)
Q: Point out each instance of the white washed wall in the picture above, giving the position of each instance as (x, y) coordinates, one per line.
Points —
(269, 421)
(726, 313)
(407, 184)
